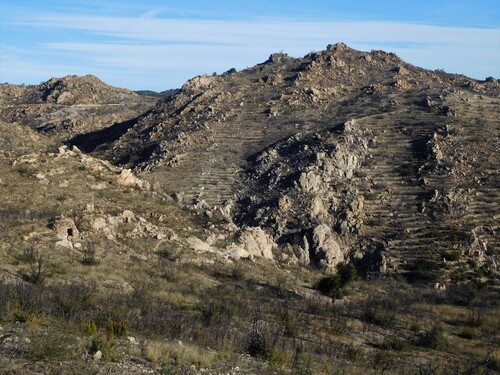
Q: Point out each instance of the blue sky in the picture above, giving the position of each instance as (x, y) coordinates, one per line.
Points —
(160, 44)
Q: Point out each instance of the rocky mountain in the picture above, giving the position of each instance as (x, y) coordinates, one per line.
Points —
(339, 154)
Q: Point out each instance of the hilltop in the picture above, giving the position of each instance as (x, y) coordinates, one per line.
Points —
(69, 105)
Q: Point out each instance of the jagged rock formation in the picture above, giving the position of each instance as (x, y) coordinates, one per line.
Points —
(337, 156)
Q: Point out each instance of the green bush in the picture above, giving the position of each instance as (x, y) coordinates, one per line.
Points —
(451, 256)
(330, 286)
(333, 285)
(468, 333)
(105, 343)
(117, 328)
(89, 328)
(379, 316)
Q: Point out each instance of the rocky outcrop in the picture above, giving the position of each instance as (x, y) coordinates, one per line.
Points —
(127, 178)
(257, 242)
(325, 251)
(197, 84)
(303, 182)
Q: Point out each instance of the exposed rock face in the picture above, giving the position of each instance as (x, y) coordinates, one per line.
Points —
(293, 201)
(257, 242)
(197, 85)
(325, 252)
(199, 245)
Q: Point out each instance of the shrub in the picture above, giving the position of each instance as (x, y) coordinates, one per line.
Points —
(104, 342)
(468, 333)
(178, 354)
(475, 317)
(73, 300)
(333, 285)
(347, 273)
(379, 316)
(49, 346)
(215, 313)
(432, 339)
(37, 271)
(330, 286)
(261, 341)
(89, 255)
(259, 345)
(462, 294)
(423, 271)
(397, 344)
(451, 256)
(117, 328)
(89, 328)
(415, 327)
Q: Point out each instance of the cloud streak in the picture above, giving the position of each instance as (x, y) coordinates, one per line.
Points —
(166, 52)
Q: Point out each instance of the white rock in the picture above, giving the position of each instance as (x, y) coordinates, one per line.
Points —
(310, 182)
(326, 250)
(65, 243)
(99, 223)
(127, 216)
(198, 245)
(132, 340)
(234, 251)
(98, 355)
(127, 178)
(257, 242)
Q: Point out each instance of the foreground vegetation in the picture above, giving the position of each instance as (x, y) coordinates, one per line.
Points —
(179, 315)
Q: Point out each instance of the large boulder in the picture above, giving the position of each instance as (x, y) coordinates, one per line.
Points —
(197, 84)
(257, 242)
(326, 252)
(127, 178)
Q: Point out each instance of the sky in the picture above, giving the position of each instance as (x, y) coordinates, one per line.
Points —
(159, 44)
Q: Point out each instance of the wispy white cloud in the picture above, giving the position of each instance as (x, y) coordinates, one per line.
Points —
(137, 51)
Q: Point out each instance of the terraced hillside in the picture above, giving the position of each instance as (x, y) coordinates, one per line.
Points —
(423, 183)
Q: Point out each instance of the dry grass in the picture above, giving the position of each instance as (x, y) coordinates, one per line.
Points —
(178, 353)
